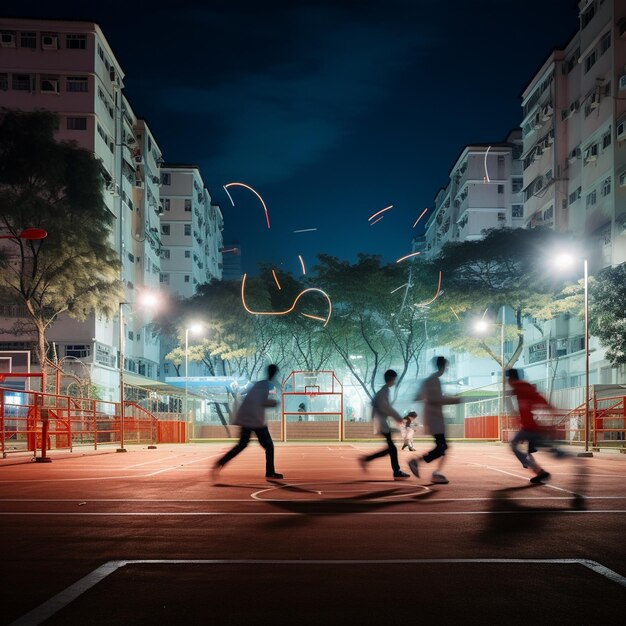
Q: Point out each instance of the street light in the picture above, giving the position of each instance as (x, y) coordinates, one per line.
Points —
(196, 329)
(564, 261)
(481, 327)
(149, 300)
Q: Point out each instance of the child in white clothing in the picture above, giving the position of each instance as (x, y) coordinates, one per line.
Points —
(408, 430)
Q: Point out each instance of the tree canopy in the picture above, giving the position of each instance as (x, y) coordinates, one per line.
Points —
(55, 186)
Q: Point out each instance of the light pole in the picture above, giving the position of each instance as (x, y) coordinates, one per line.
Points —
(196, 329)
(567, 260)
(480, 327)
(150, 300)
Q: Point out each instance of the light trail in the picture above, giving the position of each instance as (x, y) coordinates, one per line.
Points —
(291, 308)
(398, 288)
(305, 230)
(436, 293)
(371, 217)
(276, 279)
(486, 172)
(378, 220)
(420, 217)
(267, 217)
(407, 256)
(225, 250)
(302, 263)
(313, 317)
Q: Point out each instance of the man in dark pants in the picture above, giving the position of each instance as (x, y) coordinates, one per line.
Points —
(251, 418)
(381, 408)
(430, 393)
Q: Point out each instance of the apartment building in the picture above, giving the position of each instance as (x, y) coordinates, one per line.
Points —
(574, 133)
(484, 191)
(191, 231)
(69, 68)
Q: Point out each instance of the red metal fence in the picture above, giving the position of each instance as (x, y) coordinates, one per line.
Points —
(31, 421)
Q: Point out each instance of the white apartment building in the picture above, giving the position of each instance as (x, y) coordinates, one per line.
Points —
(574, 130)
(483, 192)
(69, 68)
(191, 231)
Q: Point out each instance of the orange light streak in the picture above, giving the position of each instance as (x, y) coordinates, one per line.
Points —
(313, 317)
(267, 216)
(435, 296)
(378, 220)
(420, 217)
(276, 279)
(371, 217)
(407, 256)
(291, 308)
(302, 263)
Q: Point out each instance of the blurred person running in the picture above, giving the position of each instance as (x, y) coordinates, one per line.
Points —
(430, 393)
(251, 418)
(408, 430)
(381, 409)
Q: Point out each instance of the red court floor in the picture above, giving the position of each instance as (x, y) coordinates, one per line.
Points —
(148, 537)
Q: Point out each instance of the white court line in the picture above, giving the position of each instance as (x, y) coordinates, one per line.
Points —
(61, 600)
(309, 513)
(495, 469)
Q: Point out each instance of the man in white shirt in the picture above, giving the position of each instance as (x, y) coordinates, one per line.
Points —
(381, 409)
(251, 418)
(430, 393)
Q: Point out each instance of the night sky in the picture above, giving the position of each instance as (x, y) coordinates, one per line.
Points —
(330, 112)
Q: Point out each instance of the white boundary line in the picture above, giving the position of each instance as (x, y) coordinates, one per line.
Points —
(61, 600)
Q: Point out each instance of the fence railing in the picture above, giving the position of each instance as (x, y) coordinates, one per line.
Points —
(32, 421)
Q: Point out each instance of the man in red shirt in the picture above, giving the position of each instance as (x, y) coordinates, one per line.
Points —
(528, 399)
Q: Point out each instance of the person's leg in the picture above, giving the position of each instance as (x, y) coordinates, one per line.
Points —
(522, 457)
(393, 453)
(265, 439)
(439, 450)
(244, 439)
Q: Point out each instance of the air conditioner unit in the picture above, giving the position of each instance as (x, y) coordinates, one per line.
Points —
(622, 82)
(7, 40)
(546, 112)
(622, 179)
(574, 155)
(49, 85)
(49, 42)
(538, 151)
(566, 114)
(574, 106)
(550, 139)
(621, 131)
(594, 101)
(139, 183)
(589, 156)
(156, 180)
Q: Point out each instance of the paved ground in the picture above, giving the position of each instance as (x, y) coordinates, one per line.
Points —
(144, 536)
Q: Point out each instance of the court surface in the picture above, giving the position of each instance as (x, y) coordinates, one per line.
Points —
(148, 537)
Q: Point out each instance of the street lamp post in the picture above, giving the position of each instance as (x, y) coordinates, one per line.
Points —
(566, 260)
(148, 299)
(195, 329)
(480, 327)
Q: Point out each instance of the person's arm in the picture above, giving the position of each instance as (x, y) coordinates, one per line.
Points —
(384, 406)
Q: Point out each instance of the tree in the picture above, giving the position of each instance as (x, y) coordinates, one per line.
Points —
(607, 317)
(58, 187)
(506, 268)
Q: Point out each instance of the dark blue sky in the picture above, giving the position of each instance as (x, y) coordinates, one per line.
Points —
(331, 111)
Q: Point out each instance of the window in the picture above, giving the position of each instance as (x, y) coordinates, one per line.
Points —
(131, 257)
(548, 213)
(500, 188)
(22, 82)
(588, 15)
(187, 254)
(501, 217)
(606, 140)
(131, 335)
(78, 351)
(188, 230)
(591, 199)
(76, 123)
(7, 39)
(517, 210)
(28, 40)
(575, 195)
(187, 204)
(4, 82)
(590, 61)
(76, 42)
(100, 52)
(166, 204)
(49, 84)
(517, 184)
(606, 91)
(186, 278)
(77, 84)
(166, 178)
(605, 189)
(605, 42)
(164, 278)
(165, 229)
(165, 254)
